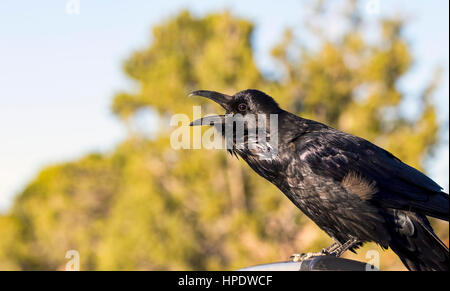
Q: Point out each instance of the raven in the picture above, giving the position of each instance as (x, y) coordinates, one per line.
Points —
(355, 191)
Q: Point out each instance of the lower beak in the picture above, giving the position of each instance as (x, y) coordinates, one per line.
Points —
(215, 120)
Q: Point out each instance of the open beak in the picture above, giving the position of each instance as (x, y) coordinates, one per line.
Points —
(219, 98)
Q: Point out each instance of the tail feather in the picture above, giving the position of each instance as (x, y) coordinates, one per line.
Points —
(438, 206)
(419, 248)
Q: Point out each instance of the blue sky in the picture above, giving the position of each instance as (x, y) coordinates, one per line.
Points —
(58, 71)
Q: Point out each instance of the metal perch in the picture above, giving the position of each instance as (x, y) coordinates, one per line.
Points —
(320, 263)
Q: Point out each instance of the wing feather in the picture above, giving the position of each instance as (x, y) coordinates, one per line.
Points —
(335, 154)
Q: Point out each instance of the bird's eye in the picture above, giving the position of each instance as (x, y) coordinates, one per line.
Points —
(242, 107)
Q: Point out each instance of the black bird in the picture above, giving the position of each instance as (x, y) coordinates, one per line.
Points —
(352, 189)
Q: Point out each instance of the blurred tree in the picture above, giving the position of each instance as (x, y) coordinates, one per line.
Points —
(148, 206)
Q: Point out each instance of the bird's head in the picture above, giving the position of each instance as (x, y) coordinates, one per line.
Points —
(249, 126)
(247, 102)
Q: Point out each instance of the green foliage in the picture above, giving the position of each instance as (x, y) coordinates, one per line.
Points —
(189, 53)
(148, 206)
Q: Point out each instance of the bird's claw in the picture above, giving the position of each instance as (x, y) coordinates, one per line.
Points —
(296, 258)
(306, 256)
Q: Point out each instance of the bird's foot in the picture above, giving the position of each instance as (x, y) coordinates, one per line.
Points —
(338, 249)
(306, 256)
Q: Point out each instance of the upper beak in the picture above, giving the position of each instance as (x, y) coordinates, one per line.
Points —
(219, 98)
